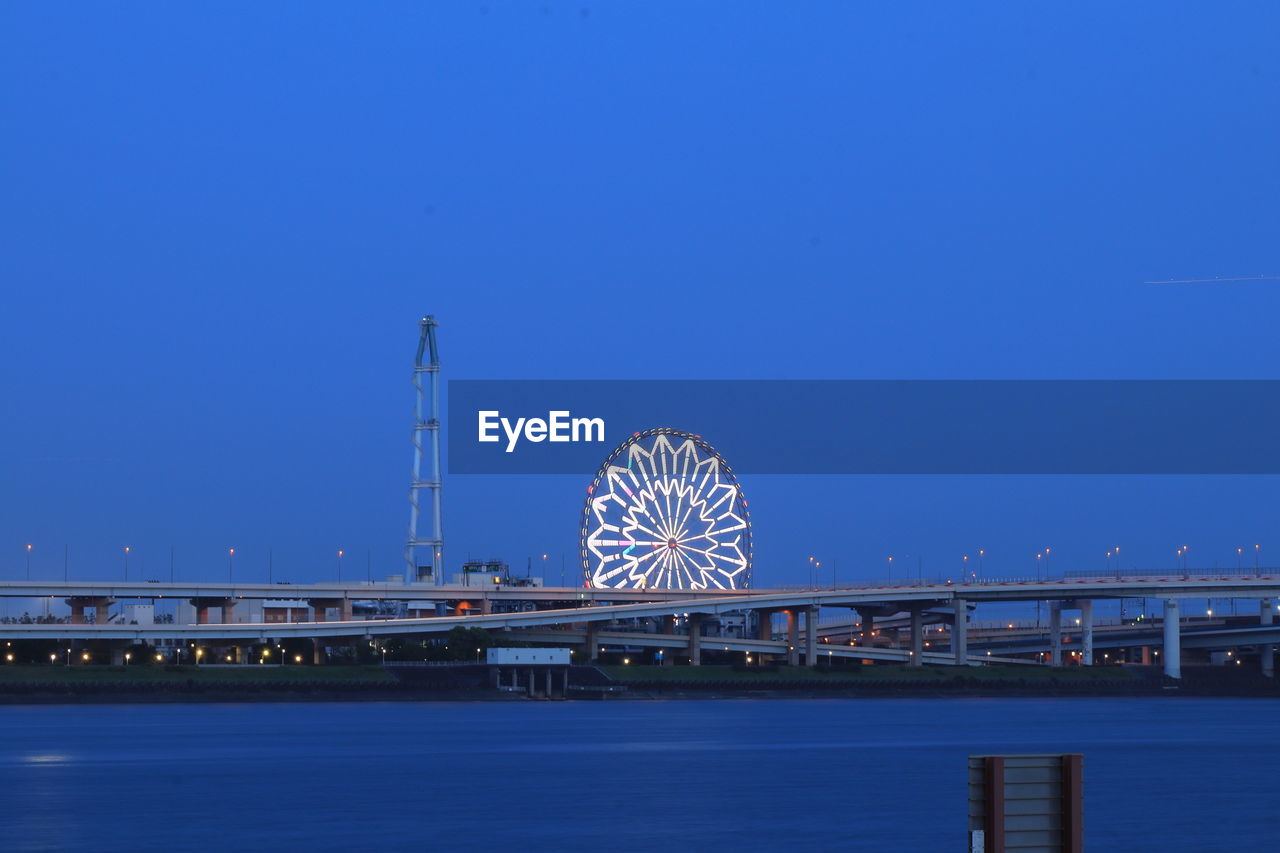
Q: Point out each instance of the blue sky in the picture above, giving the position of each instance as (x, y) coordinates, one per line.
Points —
(220, 223)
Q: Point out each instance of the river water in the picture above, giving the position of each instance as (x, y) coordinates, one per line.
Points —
(741, 775)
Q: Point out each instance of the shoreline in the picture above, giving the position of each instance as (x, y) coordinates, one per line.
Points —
(467, 683)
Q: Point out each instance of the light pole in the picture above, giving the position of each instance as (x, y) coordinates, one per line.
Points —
(28, 561)
(890, 578)
(1256, 552)
(127, 549)
(981, 553)
(1239, 559)
(231, 561)
(810, 571)
(339, 565)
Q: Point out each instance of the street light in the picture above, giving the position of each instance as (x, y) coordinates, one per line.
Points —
(231, 558)
(28, 561)
(127, 549)
(340, 552)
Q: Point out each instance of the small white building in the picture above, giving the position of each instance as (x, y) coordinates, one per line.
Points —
(139, 614)
(529, 657)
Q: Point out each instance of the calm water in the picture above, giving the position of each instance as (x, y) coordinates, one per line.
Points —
(821, 774)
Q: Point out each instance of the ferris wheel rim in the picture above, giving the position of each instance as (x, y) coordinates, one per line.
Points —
(725, 479)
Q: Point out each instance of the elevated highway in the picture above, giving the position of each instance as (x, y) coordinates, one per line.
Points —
(561, 608)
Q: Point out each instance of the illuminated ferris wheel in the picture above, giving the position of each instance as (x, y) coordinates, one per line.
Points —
(665, 511)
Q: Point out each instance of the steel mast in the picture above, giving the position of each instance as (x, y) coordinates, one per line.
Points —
(426, 347)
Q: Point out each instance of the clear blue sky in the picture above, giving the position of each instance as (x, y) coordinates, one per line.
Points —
(220, 222)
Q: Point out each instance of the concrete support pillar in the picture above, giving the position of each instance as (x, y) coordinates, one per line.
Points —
(1086, 632)
(548, 682)
(1267, 651)
(530, 682)
(116, 651)
(591, 644)
(793, 638)
(101, 608)
(960, 632)
(695, 639)
(320, 606)
(1055, 633)
(317, 651)
(486, 607)
(764, 624)
(917, 637)
(868, 627)
(228, 611)
(811, 636)
(202, 614)
(1172, 652)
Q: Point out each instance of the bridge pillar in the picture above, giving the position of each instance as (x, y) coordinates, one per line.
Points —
(317, 651)
(764, 624)
(811, 636)
(1172, 641)
(1086, 632)
(695, 639)
(793, 638)
(592, 645)
(1055, 633)
(1267, 651)
(116, 650)
(319, 606)
(868, 627)
(101, 608)
(960, 632)
(917, 637)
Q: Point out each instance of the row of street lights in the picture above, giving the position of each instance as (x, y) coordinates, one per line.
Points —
(231, 562)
